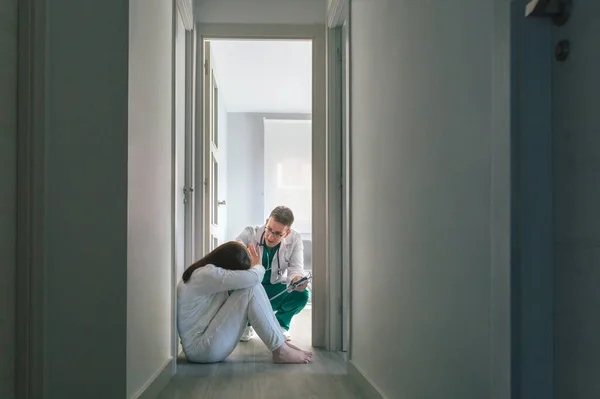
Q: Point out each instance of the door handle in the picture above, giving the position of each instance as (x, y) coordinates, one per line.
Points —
(222, 202)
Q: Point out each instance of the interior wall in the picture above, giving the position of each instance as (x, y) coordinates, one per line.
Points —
(288, 170)
(245, 174)
(260, 11)
(149, 243)
(423, 106)
(84, 226)
(576, 166)
(8, 193)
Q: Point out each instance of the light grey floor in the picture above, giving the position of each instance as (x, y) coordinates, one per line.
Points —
(249, 374)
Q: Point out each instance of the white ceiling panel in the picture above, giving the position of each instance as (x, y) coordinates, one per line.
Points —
(265, 75)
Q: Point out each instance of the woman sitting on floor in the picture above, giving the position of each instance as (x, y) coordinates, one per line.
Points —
(211, 321)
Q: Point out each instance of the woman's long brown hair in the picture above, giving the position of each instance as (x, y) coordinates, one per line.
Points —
(231, 255)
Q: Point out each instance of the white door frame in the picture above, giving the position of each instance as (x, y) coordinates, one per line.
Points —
(338, 187)
(181, 9)
(335, 187)
(347, 182)
(316, 33)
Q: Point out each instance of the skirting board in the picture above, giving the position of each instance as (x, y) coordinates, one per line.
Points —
(366, 387)
(157, 383)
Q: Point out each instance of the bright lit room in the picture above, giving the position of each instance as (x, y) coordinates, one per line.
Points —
(260, 148)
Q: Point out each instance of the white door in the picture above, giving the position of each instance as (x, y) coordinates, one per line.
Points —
(556, 150)
(212, 142)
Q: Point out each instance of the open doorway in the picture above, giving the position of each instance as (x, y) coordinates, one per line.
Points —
(258, 143)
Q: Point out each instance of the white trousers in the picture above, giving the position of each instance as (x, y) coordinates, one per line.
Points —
(226, 328)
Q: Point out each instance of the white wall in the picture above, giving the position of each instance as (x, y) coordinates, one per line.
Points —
(288, 169)
(245, 169)
(260, 11)
(149, 232)
(8, 193)
(422, 146)
(244, 172)
(84, 196)
(576, 171)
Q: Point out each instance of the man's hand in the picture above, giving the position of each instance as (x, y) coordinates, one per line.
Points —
(300, 288)
(254, 255)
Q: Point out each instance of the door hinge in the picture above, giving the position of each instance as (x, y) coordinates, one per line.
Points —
(187, 190)
(339, 54)
(206, 67)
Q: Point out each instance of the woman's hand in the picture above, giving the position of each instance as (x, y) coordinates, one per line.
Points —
(254, 255)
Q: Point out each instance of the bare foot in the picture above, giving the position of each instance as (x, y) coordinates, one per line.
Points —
(287, 354)
(309, 353)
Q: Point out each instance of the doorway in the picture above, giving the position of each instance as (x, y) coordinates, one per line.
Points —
(231, 202)
(258, 142)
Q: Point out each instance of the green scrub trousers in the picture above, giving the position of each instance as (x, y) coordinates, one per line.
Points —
(286, 305)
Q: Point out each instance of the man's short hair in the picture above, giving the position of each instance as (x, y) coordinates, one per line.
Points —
(283, 215)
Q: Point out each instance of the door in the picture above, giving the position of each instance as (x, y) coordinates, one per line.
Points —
(557, 168)
(212, 236)
(531, 63)
(576, 173)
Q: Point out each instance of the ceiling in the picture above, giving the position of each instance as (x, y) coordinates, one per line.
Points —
(295, 12)
(264, 75)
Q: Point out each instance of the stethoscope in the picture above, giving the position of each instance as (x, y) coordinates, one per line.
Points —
(261, 243)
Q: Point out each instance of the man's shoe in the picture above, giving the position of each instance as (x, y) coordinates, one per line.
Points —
(286, 334)
(248, 333)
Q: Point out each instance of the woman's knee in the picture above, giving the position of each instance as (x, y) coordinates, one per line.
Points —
(247, 291)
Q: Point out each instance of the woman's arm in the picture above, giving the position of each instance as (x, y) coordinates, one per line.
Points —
(211, 279)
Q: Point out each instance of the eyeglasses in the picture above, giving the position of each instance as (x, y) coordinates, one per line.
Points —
(277, 234)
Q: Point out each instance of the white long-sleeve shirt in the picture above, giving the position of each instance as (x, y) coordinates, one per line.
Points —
(199, 300)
